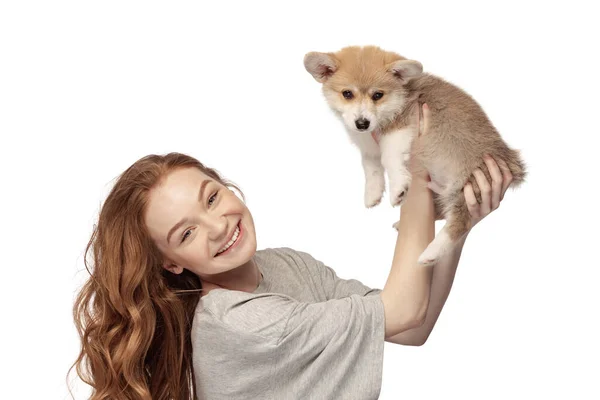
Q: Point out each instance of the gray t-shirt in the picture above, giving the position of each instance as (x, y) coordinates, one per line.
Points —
(303, 334)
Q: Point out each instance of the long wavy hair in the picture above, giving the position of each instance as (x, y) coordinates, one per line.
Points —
(133, 317)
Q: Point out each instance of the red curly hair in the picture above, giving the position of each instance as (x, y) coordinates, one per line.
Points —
(134, 318)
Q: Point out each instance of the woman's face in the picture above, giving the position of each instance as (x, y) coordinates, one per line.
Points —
(199, 224)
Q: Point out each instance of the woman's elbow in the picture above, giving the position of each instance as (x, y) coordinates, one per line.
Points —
(408, 340)
(417, 342)
(417, 318)
(420, 340)
(414, 322)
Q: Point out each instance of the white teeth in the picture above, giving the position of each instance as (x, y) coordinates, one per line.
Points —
(232, 241)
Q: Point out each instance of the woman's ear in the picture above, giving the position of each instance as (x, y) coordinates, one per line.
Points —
(172, 268)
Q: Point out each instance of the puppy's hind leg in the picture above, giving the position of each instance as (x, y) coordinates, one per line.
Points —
(457, 217)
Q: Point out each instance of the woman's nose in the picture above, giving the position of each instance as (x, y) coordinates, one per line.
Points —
(217, 228)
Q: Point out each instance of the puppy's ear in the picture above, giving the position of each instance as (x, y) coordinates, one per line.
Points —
(320, 65)
(405, 70)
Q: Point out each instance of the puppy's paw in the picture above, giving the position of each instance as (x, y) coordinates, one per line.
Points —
(373, 194)
(429, 257)
(396, 225)
(440, 245)
(398, 193)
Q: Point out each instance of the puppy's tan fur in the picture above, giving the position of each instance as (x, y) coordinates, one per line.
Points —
(460, 132)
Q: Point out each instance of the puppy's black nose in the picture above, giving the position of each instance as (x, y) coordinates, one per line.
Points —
(362, 124)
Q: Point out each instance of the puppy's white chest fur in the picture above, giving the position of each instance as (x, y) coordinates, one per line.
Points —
(365, 143)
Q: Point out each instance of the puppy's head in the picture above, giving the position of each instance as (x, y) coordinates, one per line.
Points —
(364, 85)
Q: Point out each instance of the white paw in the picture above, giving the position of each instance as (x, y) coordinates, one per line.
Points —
(373, 193)
(440, 245)
(396, 225)
(398, 191)
(429, 257)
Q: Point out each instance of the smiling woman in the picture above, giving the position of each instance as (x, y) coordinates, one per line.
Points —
(199, 224)
(179, 300)
(134, 314)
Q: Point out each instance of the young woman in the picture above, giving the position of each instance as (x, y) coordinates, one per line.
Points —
(181, 305)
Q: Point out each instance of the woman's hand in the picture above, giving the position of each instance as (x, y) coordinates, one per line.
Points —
(491, 193)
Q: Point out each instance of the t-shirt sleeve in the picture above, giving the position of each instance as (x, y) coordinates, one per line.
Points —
(276, 346)
(334, 287)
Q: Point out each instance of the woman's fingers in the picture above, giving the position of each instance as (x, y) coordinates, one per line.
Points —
(472, 204)
(507, 177)
(491, 192)
(486, 191)
(497, 179)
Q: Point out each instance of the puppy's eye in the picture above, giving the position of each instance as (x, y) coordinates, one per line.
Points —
(347, 94)
(377, 95)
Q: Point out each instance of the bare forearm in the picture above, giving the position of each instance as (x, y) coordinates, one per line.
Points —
(441, 284)
(406, 292)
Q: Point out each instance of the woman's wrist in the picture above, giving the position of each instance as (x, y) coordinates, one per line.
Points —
(418, 191)
(418, 207)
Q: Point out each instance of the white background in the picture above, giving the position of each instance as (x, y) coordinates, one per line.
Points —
(87, 88)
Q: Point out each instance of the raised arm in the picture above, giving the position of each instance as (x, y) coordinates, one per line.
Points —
(445, 270)
(405, 295)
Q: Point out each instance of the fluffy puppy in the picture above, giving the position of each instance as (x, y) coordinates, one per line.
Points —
(377, 93)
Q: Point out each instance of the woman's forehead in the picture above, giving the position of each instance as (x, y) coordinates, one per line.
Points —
(184, 177)
(179, 189)
(180, 185)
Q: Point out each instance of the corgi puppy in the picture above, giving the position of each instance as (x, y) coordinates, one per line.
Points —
(377, 93)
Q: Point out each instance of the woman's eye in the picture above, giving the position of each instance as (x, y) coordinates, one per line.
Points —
(347, 94)
(212, 198)
(377, 95)
(186, 234)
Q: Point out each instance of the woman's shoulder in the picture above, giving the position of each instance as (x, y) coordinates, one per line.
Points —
(290, 267)
(262, 314)
(286, 255)
(221, 301)
(281, 251)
